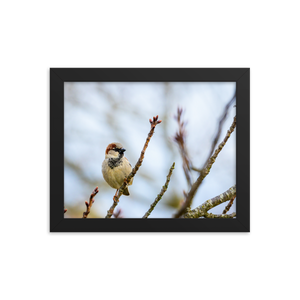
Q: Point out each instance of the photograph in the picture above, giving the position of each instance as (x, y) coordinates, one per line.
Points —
(149, 150)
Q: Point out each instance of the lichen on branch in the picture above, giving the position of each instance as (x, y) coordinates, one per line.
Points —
(204, 172)
(201, 210)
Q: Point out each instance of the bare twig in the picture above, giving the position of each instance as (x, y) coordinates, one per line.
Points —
(111, 210)
(153, 123)
(204, 172)
(201, 210)
(221, 122)
(180, 138)
(159, 196)
(89, 205)
(213, 158)
(118, 214)
(228, 205)
(195, 169)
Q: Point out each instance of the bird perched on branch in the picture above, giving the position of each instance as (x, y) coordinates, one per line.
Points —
(116, 167)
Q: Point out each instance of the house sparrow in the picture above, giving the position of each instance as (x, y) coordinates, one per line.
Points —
(116, 167)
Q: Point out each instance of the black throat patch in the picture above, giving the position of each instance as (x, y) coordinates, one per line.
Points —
(115, 162)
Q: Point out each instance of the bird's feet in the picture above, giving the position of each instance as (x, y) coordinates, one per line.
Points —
(115, 197)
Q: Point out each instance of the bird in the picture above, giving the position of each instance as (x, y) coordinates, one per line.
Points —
(116, 167)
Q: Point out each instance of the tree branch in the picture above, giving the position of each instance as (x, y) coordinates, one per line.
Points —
(221, 122)
(213, 216)
(153, 123)
(180, 138)
(228, 205)
(220, 147)
(118, 214)
(201, 210)
(89, 205)
(204, 172)
(110, 212)
(159, 196)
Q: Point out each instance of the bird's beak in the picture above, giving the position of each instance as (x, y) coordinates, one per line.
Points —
(122, 150)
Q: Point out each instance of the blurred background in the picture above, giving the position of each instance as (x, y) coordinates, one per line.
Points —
(99, 113)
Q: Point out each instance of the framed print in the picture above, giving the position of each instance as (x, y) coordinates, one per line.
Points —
(150, 150)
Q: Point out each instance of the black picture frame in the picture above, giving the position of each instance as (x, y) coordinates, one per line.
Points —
(60, 75)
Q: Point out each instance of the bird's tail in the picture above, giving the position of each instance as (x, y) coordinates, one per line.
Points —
(126, 192)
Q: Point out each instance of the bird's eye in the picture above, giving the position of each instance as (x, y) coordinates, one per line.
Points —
(121, 151)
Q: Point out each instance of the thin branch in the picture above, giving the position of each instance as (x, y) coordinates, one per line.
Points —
(180, 139)
(89, 205)
(228, 205)
(201, 210)
(221, 146)
(110, 212)
(204, 172)
(223, 216)
(159, 196)
(118, 214)
(153, 123)
(221, 122)
(196, 169)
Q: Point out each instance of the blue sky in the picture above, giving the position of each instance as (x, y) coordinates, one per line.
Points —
(97, 114)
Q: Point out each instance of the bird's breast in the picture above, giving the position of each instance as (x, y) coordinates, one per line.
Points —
(115, 162)
(114, 171)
